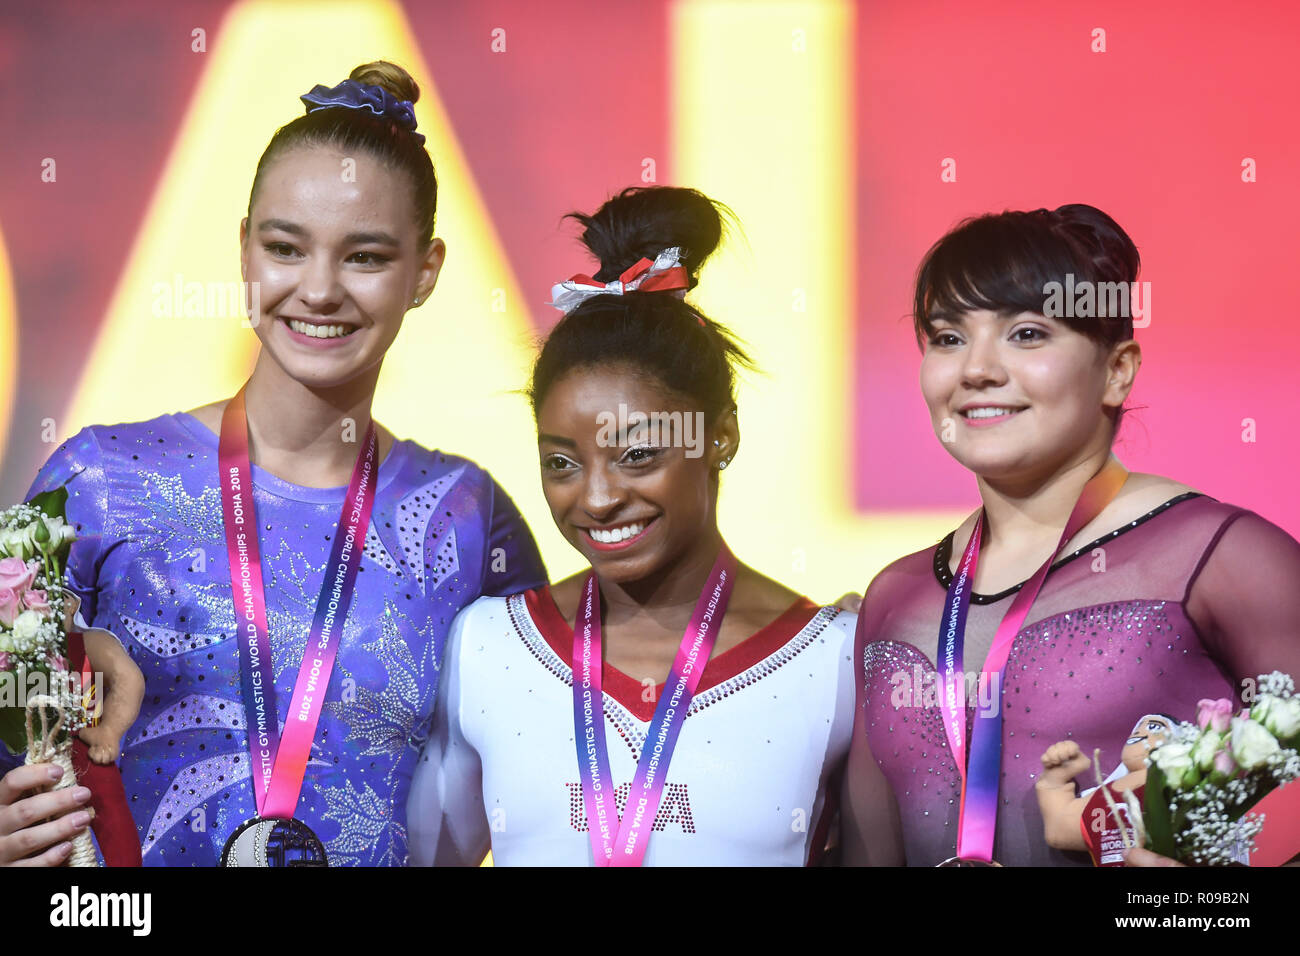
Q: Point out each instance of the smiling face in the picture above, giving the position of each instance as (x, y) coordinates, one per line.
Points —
(632, 502)
(338, 263)
(1020, 397)
(1148, 734)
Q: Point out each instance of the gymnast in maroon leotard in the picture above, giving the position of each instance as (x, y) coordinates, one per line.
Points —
(1167, 596)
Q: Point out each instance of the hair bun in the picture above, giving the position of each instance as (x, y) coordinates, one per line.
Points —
(388, 76)
(643, 221)
(1108, 246)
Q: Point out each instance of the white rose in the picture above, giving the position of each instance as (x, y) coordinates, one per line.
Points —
(60, 532)
(1205, 748)
(26, 631)
(6, 642)
(29, 541)
(15, 544)
(1175, 762)
(1281, 715)
(1252, 744)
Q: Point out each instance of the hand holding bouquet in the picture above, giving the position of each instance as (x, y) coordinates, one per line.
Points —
(41, 701)
(35, 615)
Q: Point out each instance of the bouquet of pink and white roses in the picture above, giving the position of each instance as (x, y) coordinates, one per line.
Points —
(1203, 782)
(34, 544)
(42, 705)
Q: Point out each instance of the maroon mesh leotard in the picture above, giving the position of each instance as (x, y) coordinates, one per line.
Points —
(1195, 597)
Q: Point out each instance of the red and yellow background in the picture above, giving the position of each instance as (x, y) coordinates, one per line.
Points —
(825, 126)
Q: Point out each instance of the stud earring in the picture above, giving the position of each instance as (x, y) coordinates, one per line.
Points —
(416, 300)
(724, 463)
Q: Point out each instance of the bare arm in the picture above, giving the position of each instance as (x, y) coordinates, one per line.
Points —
(122, 699)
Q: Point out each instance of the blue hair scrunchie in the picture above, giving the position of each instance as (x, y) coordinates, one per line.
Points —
(353, 95)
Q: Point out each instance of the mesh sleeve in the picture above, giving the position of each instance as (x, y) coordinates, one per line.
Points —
(871, 831)
(1244, 597)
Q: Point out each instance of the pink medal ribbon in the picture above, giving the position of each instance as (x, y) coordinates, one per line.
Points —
(616, 842)
(979, 782)
(279, 761)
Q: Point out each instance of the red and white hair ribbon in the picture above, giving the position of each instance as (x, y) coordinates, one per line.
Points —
(665, 274)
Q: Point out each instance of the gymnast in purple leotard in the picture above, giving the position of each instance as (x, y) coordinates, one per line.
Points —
(339, 263)
(1167, 596)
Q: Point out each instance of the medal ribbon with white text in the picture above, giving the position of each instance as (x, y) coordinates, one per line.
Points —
(979, 781)
(627, 846)
(279, 761)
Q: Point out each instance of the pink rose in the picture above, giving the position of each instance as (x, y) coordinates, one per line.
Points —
(4, 661)
(1214, 713)
(56, 662)
(9, 606)
(17, 574)
(37, 601)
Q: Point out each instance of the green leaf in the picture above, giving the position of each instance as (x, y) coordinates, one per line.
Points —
(1237, 811)
(13, 729)
(1155, 814)
(51, 503)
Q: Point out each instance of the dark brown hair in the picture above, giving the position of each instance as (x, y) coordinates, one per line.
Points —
(1003, 262)
(656, 333)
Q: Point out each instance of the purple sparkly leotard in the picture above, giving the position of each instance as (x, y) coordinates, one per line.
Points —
(1182, 604)
(151, 567)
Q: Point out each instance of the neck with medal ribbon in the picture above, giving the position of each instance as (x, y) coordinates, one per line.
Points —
(979, 780)
(278, 761)
(616, 842)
